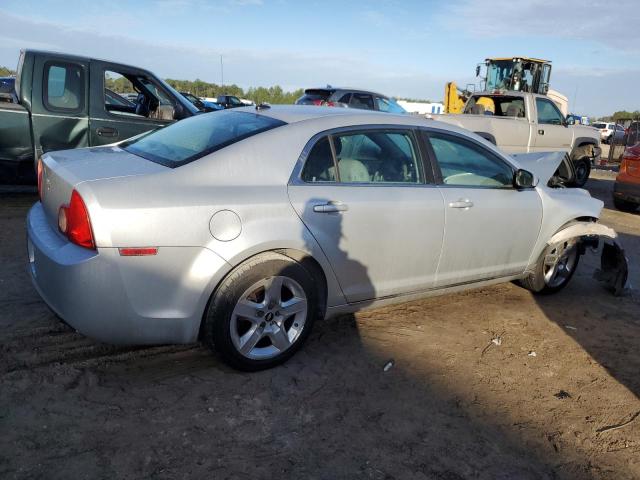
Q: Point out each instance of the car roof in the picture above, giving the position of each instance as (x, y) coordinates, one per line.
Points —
(346, 89)
(335, 117)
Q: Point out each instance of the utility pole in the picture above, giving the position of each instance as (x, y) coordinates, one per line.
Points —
(221, 72)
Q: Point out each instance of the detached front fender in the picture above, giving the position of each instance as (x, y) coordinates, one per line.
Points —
(614, 266)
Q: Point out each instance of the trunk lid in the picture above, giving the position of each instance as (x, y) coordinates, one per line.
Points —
(65, 170)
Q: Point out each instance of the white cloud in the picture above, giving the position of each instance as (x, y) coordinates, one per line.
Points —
(290, 69)
(613, 24)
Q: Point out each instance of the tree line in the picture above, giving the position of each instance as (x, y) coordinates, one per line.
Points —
(200, 88)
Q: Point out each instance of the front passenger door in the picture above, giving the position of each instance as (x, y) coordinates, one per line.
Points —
(490, 226)
(552, 134)
(110, 125)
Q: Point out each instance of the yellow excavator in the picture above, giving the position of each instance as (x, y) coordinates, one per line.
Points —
(520, 74)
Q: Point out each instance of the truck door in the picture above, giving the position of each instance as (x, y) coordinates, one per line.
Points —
(552, 133)
(125, 102)
(59, 104)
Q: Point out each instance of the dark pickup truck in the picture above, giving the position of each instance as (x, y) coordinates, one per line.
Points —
(64, 101)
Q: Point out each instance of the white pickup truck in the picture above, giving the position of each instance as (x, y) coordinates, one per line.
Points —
(519, 122)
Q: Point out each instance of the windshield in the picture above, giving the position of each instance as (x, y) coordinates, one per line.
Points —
(195, 137)
(499, 75)
(389, 105)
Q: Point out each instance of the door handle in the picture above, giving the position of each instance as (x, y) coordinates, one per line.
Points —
(106, 132)
(462, 203)
(330, 207)
(540, 132)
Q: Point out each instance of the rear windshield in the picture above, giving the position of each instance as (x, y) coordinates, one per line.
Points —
(314, 95)
(195, 137)
(600, 125)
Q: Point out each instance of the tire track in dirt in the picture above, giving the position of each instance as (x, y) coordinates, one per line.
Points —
(43, 347)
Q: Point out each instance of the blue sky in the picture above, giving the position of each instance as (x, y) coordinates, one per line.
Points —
(402, 48)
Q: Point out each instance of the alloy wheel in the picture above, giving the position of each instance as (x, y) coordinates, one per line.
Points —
(268, 318)
(559, 263)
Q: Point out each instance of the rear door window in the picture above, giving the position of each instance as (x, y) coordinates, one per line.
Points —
(365, 157)
(361, 100)
(195, 137)
(63, 87)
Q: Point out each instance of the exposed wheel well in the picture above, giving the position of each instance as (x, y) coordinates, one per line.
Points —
(316, 271)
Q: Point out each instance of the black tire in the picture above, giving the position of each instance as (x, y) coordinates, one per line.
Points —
(217, 322)
(536, 283)
(582, 168)
(624, 206)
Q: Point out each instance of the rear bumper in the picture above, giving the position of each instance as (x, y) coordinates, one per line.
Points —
(122, 300)
(629, 192)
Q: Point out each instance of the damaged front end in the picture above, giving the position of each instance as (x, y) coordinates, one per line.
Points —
(614, 266)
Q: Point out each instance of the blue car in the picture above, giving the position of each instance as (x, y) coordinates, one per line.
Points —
(202, 105)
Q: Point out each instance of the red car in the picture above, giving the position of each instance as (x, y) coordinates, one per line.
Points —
(626, 189)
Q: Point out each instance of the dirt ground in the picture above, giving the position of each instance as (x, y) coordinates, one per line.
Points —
(453, 406)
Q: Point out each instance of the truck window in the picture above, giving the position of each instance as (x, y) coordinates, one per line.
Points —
(548, 113)
(63, 87)
(147, 99)
(498, 105)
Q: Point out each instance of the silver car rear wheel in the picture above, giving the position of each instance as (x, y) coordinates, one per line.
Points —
(268, 318)
(263, 311)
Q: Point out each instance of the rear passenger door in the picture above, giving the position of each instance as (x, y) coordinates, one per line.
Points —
(364, 196)
(490, 226)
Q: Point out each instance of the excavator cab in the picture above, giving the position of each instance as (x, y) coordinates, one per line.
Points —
(518, 74)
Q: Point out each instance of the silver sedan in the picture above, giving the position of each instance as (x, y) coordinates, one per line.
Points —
(242, 227)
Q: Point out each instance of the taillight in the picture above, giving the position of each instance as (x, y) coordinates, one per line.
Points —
(40, 169)
(74, 222)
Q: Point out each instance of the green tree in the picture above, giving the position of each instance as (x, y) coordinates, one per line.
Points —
(6, 72)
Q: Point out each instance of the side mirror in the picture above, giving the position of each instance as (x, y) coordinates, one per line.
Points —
(571, 121)
(523, 179)
(477, 70)
(179, 111)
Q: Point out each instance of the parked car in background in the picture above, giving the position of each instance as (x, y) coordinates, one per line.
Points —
(7, 90)
(202, 105)
(230, 101)
(66, 101)
(632, 134)
(347, 97)
(115, 99)
(578, 119)
(626, 189)
(609, 131)
(522, 122)
(244, 227)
